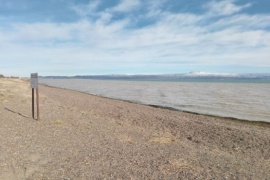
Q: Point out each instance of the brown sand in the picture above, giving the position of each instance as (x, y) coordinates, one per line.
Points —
(82, 136)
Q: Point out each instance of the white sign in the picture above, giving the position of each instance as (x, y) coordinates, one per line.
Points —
(34, 80)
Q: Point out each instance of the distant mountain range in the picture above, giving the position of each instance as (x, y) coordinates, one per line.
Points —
(191, 76)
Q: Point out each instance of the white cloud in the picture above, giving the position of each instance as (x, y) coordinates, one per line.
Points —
(85, 10)
(243, 21)
(41, 31)
(224, 7)
(126, 5)
(236, 38)
(239, 39)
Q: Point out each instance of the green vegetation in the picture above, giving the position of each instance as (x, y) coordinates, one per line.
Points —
(11, 77)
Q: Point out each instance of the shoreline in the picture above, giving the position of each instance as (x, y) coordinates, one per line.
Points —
(84, 136)
(253, 122)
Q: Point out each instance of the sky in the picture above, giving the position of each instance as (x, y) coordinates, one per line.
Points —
(86, 37)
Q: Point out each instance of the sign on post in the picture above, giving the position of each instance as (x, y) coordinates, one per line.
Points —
(34, 80)
(34, 85)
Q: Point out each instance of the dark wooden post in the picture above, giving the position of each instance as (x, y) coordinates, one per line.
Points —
(34, 85)
(33, 103)
(37, 104)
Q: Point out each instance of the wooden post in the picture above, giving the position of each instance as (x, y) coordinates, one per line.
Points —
(37, 104)
(34, 85)
(33, 103)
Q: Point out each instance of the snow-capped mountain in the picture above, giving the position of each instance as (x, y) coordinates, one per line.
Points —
(208, 74)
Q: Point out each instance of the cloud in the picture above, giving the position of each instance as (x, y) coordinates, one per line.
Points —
(40, 31)
(126, 6)
(242, 21)
(224, 7)
(88, 9)
(235, 38)
(157, 38)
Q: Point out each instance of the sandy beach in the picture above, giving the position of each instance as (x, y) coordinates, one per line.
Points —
(81, 136)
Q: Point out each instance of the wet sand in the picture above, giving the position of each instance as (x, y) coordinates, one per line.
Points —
(81, 136)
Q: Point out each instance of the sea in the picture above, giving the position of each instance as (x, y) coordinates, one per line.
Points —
(245, 96)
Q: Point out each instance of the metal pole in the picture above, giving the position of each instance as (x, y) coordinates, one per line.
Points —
(33, 103)
(37, 103)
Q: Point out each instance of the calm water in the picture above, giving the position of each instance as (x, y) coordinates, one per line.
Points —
(249, 101)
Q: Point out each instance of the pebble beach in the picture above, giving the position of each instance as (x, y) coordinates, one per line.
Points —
(82, 136)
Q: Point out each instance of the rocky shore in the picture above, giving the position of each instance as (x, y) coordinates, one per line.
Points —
(81, 136)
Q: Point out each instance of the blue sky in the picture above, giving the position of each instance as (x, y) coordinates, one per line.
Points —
(70, 37)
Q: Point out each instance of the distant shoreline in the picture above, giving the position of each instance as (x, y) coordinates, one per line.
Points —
(187, 77)
(257, 123)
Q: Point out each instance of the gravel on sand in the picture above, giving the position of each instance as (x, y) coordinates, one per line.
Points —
(81, 136)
